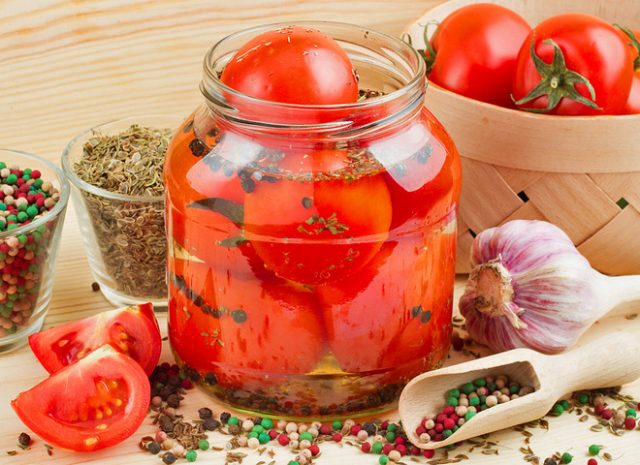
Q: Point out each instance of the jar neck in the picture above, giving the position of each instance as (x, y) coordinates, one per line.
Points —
(384, 63)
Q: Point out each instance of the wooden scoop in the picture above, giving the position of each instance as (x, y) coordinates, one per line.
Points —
(609, 361)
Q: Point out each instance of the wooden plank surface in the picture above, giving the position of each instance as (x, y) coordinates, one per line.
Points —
(68, 65)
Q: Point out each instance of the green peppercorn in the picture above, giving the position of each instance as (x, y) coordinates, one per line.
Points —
(294, 462)
(257, 429)
(631, 413)
(566, 458)
(11, 179)
(306, 435)
(583, 398)
(480, 382)
(264, 438)
(253, 434)
(453, 393)
(391, 436)
(557, 410)
(383, 460)
(446, 433)
(452, 401)
(468, 388)
(565, 404)
(474, 401)
(336, 425)
(267, 423)
(377, 447)
(594, 449)
(233, 421)
(392, 427)
(514, 388)
(191, 456)
(203, 444)
(469, 415)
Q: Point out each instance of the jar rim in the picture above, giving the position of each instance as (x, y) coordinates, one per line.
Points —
(60, 205)
(211, 80)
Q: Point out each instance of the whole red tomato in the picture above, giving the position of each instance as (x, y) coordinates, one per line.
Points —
(573, 64)
(246, 331)
(474, 50)
(320, 230)
(633, 39)
(293, 65)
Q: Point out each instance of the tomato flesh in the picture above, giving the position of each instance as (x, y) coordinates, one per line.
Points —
(476, 50)
(592, 48)
(264, 67)
(95, 403)
(131, 330)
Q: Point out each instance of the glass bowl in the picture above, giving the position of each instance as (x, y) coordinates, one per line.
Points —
(28, 255)
(124, 235)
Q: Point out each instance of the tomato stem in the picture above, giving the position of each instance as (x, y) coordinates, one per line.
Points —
(557, 82)
(429, 53)
(634, 42)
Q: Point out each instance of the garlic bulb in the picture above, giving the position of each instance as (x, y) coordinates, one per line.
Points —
(530, 287)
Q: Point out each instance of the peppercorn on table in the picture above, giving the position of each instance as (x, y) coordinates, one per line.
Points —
(68, 66)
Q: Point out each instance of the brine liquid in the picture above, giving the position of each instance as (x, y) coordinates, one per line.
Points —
(308, 282)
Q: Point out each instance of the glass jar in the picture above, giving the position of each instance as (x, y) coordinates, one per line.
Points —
(28, 252)
(123, 234)
(311, 248)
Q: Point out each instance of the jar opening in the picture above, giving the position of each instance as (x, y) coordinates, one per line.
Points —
(384, 63)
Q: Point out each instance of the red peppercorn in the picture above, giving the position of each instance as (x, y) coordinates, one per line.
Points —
(441, 418)
(366, 447)
(437, 437)
(35, 174)
(428, 454)
(337, 437)
(592, 462)
(273, 433)
(599, 409)
(384, 425)
(607, 414)
(325, 429)
(402, 449)
(454, 417)
(432, 432)
(448, 410)
(458, 343)
(439, 428)
(629, 423)
(355, 428)
(449, 423)
(283, 439)
(387, 448)
(400, 440)
(186, 384)
(414, 450)
(420, 429)
(315, 450)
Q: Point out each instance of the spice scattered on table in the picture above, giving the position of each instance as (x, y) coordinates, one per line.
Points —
(464, 402)
(130, 234)
(24, 440)
(24, 198)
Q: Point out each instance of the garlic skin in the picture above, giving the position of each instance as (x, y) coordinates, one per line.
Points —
(530, 287)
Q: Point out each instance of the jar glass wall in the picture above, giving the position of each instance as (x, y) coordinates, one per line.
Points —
(312, 248)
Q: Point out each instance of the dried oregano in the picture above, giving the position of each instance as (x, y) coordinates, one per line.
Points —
(129, 234)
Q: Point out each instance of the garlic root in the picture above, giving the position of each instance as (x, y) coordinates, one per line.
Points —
(530, 287)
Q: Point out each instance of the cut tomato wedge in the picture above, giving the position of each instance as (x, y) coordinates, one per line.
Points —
(94, 403)
(131, 330)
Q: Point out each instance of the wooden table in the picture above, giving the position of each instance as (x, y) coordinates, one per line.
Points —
(69, 65)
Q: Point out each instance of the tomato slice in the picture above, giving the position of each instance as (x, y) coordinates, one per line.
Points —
(131, 330)
(94, 403)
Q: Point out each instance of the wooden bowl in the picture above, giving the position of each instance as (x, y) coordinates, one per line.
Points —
(580, 173)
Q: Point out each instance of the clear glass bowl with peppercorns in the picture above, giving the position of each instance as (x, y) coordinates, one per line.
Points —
(33, 200)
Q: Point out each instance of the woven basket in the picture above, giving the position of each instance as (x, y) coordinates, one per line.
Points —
(580, 173)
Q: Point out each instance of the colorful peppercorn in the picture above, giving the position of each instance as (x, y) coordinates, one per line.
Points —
(594, 449)
(191, 456)
(566, 458)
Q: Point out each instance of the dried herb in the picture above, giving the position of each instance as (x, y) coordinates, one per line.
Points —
(129, 234)
(321, 224)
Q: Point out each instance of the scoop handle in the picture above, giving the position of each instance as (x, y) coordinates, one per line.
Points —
(608, 361)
